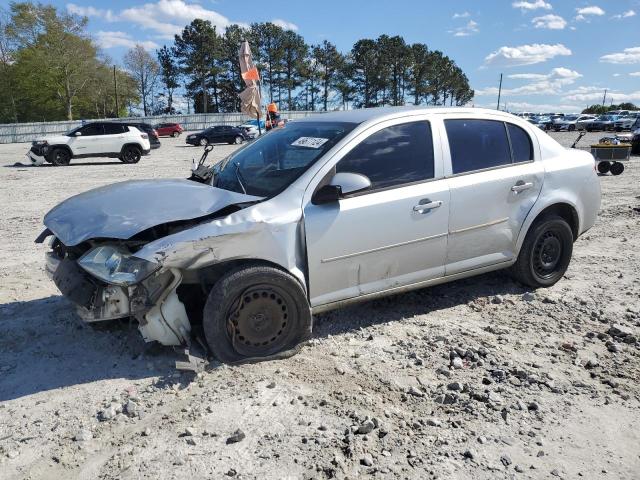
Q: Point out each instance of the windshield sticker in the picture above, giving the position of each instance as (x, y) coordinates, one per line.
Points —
(310, 142)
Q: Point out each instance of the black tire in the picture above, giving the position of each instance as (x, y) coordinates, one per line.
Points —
(131, 154)
(604, 167)
(175, 134)
(571, 128)
(616, 168)
(60, 157)
(256, 313)
(203, 142)
(238, 140)
(545, 253)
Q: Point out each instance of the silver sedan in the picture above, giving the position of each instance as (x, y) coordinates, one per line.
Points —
(330, 210)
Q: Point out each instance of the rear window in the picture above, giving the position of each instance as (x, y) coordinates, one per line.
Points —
(477, 144)
(521, 145)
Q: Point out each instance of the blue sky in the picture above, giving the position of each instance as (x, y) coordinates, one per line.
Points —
(556, 55)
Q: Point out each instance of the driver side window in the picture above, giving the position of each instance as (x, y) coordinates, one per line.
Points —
(92, 129)
(394, 156)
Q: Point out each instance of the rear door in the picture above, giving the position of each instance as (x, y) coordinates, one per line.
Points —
(494, 181)
(113, 137)
(394, 233)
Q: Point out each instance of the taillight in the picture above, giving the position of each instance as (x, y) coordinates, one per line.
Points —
(144, 135)
(155, 133)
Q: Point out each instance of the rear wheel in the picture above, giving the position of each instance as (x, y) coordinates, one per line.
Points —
(203, 142)
(604, 167)
(175, 134)
(256, 312)
(616, 168)
(571, 128)
(131, 154)
(60, 157)
(238, 140)
(545, 253)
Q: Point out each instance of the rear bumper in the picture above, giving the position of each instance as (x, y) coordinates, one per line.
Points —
(147, 152)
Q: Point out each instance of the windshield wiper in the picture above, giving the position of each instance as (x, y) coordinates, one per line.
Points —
(239, 177)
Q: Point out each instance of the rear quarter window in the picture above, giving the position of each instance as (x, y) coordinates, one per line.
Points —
(521, 145)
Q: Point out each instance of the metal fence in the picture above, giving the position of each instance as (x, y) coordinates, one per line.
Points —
(27, 132)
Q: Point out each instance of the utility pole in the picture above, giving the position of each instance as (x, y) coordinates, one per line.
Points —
(499, 92)
(605, 97)
(115, 91)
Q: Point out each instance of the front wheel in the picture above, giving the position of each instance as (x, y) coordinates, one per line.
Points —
(175, 134)
(60, 157)
(255, 313)
(545, 253)
(131, 154)
(203, 142)
(238, 140)
(571, 128)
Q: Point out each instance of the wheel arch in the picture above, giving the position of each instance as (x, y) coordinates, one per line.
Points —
(52, 148)
(563, 208)
(212, 273)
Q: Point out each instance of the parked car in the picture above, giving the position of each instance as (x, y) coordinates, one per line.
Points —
(251, 130)
(570, 122)
(96, 139)
(218, 134)
(635, 139)
(169, 129)
(154, 138)
(333, 209)
(624, 123)
(603, 122)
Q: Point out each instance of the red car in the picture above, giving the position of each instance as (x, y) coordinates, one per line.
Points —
(169, 129)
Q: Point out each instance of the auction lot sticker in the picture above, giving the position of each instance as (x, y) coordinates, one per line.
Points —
(310, 142)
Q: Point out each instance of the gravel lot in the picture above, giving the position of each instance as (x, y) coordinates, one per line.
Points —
(476, 379)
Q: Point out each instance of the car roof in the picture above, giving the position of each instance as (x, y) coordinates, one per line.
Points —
(383, 113)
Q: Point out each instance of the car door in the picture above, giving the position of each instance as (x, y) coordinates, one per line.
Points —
(89, 141)
(113, 137)
(390, 235)
(494, 182)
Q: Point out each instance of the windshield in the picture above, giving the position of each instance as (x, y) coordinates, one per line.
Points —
(267, 166)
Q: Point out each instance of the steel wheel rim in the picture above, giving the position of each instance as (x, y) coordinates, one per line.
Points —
(238, 140)
(547, 254)
(259, 321)
(203, 142)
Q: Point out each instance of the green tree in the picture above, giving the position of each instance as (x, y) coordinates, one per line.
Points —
(329, 60)
(293, 63)
(169, 74)
(197, 49)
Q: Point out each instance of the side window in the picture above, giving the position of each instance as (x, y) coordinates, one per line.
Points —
(92, 129)
(477, 144)
(393, 156)
(113, 128)
(521, 145)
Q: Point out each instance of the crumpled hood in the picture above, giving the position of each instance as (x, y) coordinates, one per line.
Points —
(124, 209)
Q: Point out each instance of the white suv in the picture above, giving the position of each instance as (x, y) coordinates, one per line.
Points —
(96, 139)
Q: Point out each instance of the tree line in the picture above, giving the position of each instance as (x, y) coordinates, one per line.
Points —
(50, 69)
(603, 109)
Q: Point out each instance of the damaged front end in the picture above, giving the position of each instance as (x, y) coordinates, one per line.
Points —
(95, 238)
(104, 284)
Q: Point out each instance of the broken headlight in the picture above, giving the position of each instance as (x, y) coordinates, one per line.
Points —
(113, 266)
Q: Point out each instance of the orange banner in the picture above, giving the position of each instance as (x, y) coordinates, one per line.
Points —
(251, 74)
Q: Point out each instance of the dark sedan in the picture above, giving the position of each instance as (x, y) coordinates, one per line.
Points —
(218, 134)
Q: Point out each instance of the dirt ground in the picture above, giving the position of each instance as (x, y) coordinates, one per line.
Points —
(475, 379)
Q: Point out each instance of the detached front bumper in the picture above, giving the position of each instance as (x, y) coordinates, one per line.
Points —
(154, 302)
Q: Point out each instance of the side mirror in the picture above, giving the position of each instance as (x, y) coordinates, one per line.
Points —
(341, 184)
(77, 134)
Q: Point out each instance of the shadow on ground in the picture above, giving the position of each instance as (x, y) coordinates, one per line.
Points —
(44, 346)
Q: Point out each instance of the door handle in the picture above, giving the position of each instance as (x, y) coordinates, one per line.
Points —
(521, 186)
(427, 205)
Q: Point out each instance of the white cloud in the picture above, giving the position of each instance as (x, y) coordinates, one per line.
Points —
(628, 55)
(617, 74)
(526, 54)
(627, 14)
(284, 24)
(461, 15)
(584, 12)
(634, 74)
(165, 18)
(469, 29)
(550, 22)
(597, 95)
(535, 5)
(541, 84)
(121, 39)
